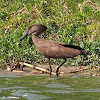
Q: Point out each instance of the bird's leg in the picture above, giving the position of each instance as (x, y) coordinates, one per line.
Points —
(57, 71)
(50, 66)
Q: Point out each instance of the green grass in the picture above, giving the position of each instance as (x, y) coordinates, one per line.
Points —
(70, 21)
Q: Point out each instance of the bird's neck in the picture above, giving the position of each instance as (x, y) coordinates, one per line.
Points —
(35, 39)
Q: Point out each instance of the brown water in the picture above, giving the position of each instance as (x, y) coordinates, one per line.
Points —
(18, 87)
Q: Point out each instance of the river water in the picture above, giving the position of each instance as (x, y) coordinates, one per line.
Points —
(19, 87)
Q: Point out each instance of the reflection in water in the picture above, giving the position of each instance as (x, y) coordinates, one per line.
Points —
(70, 91)
(35, 97)
(9, 76)
(11, 88)
(9, 97)
(57, 85)
(29, 95)
(44, 87)
(60, 91)
(90, 90)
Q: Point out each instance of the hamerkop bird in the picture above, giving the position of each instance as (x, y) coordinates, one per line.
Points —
(52, 49)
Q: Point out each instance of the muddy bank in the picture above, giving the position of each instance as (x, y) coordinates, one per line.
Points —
(64, 71)
(28, 69)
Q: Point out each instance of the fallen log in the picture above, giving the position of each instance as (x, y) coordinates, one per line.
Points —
(38, 68)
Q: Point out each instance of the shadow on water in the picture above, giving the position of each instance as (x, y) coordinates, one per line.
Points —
(17, 87)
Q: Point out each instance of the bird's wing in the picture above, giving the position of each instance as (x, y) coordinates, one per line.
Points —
(55, 49)
(72, 46)
(68, 45)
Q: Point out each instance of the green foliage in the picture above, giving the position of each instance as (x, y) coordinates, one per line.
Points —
(70, 21)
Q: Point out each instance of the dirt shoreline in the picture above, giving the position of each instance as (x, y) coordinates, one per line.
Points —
(65, 71)
(41, 69)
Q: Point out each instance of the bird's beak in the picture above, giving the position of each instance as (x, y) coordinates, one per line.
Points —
(25, 35)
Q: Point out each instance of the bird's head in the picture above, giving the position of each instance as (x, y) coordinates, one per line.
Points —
(35, 29)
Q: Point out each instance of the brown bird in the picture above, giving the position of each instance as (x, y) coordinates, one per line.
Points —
(52, 49)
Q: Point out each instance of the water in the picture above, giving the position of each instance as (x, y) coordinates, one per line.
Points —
(17, 87)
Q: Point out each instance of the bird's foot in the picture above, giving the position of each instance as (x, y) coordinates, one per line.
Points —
(57, 73)
(50, 72)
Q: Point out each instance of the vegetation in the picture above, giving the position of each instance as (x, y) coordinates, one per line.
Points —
(70, 21)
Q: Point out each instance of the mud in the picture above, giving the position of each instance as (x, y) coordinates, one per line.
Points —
(64, 71)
